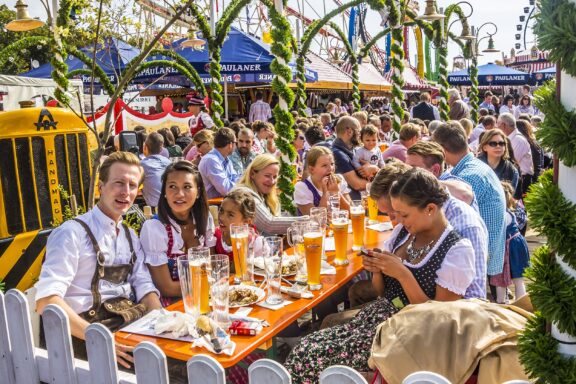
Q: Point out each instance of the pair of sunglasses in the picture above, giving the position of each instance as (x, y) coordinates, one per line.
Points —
(495, 144)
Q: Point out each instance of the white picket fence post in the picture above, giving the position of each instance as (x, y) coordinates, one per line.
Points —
(6, 367)
(101, 354)
(205, 369)
(150, 364)
(340, 374)
(20, 335)
(59, 345)
(267, 371)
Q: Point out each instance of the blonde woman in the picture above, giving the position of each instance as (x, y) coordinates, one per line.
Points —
(201, 144)
(260, 181)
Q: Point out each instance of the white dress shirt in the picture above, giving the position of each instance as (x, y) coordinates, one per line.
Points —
(70, 262)
(522, 152)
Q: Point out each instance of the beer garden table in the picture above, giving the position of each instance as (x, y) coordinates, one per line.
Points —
(278, 320)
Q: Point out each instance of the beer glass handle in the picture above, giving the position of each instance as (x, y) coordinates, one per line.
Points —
(290, 236)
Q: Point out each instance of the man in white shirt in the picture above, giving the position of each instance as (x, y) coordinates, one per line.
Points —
(260, 110)
(520, 145)
(70, 266)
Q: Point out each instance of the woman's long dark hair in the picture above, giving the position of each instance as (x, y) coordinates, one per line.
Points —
(199, 211)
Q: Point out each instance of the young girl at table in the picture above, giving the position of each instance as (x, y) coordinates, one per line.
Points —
(183, 222)
(517, 255)
(238, 207)
(321, 182)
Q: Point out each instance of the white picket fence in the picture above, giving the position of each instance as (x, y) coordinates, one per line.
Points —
(23, 363)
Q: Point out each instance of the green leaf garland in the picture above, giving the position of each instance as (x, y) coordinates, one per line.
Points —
(540, 357)
(281, 49)
(552, 291)
(553, 215)
(557, 132)
(556, 30)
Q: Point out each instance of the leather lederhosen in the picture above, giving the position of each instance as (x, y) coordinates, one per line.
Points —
(119, 311)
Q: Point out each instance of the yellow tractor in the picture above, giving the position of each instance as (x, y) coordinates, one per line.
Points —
(41, 151)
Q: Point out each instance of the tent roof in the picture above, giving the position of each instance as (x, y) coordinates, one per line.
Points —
(489, 69)
(547, 70)
(372, 79)
(112, 58)
(411, 78)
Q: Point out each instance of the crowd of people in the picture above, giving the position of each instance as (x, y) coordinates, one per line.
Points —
(453, 189)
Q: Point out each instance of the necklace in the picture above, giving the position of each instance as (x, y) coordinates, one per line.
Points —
(415, 253)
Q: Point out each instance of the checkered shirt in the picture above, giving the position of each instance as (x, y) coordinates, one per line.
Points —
(491, 204)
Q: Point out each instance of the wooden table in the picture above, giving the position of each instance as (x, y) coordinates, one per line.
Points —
(215, 201)
(278, 320)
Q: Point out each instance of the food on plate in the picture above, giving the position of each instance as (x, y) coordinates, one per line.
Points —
(242, 296)
(203, 324)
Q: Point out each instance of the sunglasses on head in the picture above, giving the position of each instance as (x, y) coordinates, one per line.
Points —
(495, 144)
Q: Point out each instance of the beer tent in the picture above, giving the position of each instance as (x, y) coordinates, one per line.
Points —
(490, 74)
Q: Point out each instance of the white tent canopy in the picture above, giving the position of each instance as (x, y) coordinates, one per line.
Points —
(18, 88)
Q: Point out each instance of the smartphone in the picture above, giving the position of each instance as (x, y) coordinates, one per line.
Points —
(364, 252)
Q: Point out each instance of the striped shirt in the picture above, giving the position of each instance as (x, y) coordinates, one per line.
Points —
(468, 223)
(491, 203)
(260, 110)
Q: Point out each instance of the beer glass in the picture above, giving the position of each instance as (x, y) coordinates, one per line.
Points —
(199, 264)
(372, 211)
(239, 237)
(357, 218)
(185, 276)
(313, 246)
(219, 284)
(340, 228)
(273, 266)
(333, 202)
(320, 215)
(295, 236)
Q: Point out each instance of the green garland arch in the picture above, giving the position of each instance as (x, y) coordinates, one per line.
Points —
(558, 131)
(108, 86)
(474, 90)
(195, 79)
(553, 215)
(556, 30)
(395, 18)
(282, 50)
(60, 69)
(540, 357)
(308, 37)
(24, 43)
(98, 71)
(552, 291)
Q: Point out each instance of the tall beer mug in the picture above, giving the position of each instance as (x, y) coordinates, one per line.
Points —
(340, 228)
(357, 218)
(320, 215)
(239, 236)
(295, 236)
(313, 247)
(199, 265)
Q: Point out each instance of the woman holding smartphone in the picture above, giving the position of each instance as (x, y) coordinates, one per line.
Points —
(424, 259)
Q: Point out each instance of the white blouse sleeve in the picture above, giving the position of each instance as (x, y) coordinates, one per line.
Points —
(209, 238)
(457, 270)
(154, 240)
(302, 195)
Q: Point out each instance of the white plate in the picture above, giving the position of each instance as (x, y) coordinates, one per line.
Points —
(259, 292)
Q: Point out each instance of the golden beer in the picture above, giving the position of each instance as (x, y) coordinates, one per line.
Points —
(357, 218)
(372, 210)
(340, 228)
(313, 247)
(240, 252)
(200, 286)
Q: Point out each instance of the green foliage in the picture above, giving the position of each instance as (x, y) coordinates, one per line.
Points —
(557, 132)
(552, 291)
(556, 30)
(18, 60)
(551, 214)
(66, 208)
(134, 221)
(540, 357)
